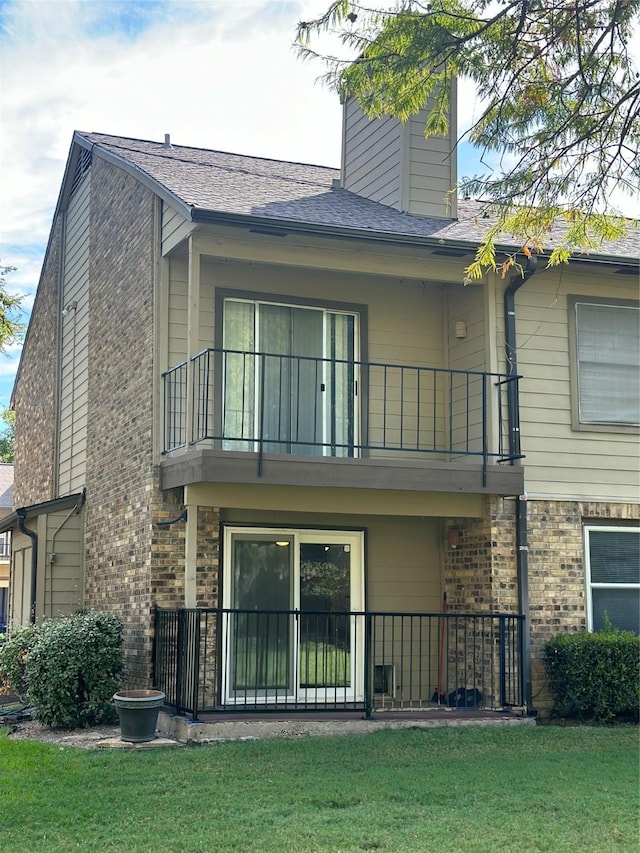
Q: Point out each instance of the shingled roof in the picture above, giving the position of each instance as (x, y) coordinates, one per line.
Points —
(214, 182)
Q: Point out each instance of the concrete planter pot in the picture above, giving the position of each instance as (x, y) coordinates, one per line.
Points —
(138, 713)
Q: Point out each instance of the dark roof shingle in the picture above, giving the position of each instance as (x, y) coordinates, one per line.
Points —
(235, 184)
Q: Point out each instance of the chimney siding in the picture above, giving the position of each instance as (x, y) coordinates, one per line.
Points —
(392, 162)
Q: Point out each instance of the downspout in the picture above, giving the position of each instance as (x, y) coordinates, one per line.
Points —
(21, 514)
(513, 415)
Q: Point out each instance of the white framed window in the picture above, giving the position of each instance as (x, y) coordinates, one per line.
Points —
(612, 557)
(606, 365)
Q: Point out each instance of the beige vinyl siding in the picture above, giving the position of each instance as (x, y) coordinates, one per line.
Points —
(61, 584)
(372, 156)
(20, 587)
(74, 343)
(177, 307)
(467, 305)
(560, 461)
(175, 228)
(431, 171)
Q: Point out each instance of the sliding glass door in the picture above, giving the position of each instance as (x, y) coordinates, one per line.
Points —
(290, 379)
(289, 633)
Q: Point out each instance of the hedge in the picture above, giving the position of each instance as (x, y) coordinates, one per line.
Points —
(594, 676)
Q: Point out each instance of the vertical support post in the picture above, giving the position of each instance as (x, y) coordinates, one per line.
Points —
(193, 334)
(503, 662)
(180, 661)
(368, 666)
(261, 414)
(190, 551)
(195, 663)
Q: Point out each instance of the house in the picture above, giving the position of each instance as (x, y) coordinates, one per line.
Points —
(6, 505)
(261, 416)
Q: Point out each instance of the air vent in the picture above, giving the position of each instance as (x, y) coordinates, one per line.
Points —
(83, 164)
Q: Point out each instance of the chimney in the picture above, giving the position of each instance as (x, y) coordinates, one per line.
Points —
(167, 141)
(392, 162)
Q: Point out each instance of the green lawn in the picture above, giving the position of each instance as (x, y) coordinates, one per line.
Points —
(471, 789)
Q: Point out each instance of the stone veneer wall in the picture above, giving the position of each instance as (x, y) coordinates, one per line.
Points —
(35, 393)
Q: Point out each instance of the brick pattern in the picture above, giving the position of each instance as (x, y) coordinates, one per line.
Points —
(481, 573)
(35, 393)
(167, 549)
(129, 561)
(208, 560)
(557, 578)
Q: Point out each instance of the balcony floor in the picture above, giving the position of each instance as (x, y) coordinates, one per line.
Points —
(409, 473)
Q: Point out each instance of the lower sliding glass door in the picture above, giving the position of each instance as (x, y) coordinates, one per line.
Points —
(290, 629)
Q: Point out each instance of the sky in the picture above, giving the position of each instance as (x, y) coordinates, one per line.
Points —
(220, 74)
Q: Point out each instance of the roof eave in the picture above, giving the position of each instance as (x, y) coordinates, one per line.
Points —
(285, 226)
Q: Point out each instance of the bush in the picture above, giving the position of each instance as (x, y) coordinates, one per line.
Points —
(68, 668)
(13, 655)
(594, 676)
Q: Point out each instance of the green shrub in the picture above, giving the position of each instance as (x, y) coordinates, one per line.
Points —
(13, 656)
(74, 669)
(594, 676)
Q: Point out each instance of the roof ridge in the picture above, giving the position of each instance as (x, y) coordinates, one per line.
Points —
(89, 134)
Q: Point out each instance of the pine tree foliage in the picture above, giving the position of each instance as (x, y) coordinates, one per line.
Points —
(11, 329)
(558, 101)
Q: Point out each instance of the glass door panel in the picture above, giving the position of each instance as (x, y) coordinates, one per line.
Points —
(290, 631)
(291, 385)
(260, 655)
(290, 379)
(325, 625)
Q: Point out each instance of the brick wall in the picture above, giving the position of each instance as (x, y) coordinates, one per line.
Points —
(208, 559)
(128, 561)
(480, 575)
(35, 392)
(557, 591)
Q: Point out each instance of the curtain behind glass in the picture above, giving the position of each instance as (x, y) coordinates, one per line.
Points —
(238, 376)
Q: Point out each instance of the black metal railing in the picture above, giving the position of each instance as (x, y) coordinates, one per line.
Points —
(290, 660)
(265, 402)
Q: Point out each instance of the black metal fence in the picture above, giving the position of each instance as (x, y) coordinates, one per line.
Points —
(266, 402)
(266, 660)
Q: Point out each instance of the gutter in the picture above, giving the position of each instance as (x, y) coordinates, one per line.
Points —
(20, 516)
(513, 414)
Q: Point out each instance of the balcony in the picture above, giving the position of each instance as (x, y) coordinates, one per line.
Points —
(249, 661)
(370, 415)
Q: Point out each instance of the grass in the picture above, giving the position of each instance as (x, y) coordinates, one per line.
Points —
(473, 789)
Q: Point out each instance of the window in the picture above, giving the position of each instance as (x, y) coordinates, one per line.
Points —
(607, 362)
(613, 577)
(290, 378)
(5, 545)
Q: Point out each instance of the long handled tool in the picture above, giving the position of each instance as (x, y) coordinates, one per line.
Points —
(439, 695)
